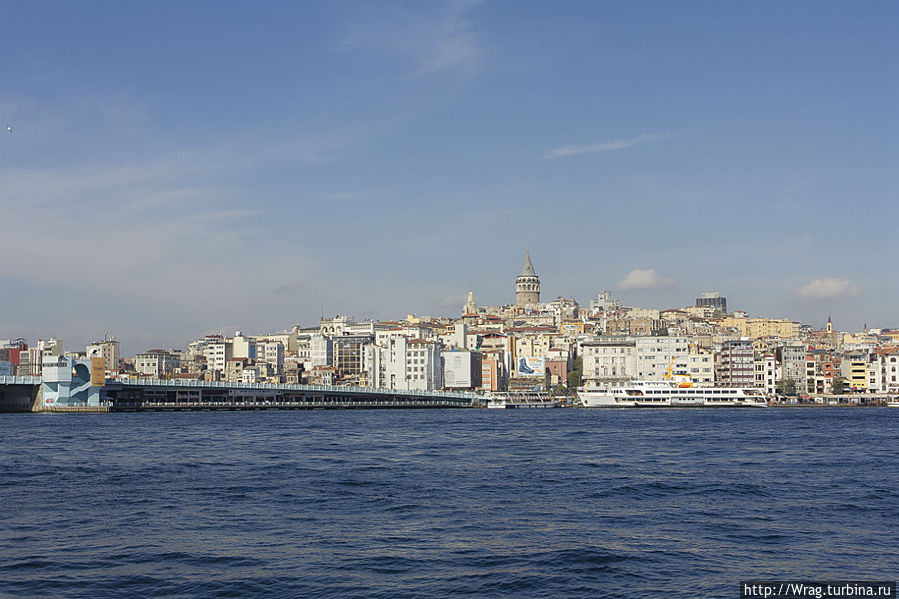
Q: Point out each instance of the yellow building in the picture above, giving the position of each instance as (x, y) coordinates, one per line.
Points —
(756, 328)
(572, 328)
(854, 371)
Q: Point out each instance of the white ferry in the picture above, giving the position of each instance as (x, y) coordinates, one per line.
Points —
(640, 394)
(524, 399)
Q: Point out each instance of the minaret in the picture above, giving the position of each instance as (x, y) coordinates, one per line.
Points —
(829, 327)
(527, 285)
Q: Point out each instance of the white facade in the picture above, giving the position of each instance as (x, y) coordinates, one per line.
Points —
(321, 351)
(108, 350)
(656, 355)
(873, 372)
(218, 354)
(155, 363)
(608, 359)
(766, 374)
(890, 372)
(243, 347)
(408, 364)
(701, 367)
(604, 302)
(271, 352)
(457, 369)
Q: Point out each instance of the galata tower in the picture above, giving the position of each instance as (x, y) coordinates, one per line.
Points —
(527, 285)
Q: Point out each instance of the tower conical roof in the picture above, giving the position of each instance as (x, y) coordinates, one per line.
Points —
(527, 270)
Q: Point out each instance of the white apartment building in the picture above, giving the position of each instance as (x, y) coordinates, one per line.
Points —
(321, 351)
(608, 360)
(700, 366)
(408, 364)
(657, 355)
(271, 352)
(889, 362)
(766, 373)
(155, 363)
(218, 353)
(243, 346)
(106, 349)
(461, 369)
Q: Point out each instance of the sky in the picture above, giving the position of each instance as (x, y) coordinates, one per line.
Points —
(181, 168)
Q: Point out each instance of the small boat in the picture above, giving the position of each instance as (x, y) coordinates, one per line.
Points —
(521, 399)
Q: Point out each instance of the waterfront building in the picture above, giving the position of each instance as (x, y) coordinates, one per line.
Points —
(218, 352)
(272, 353)
(108, 349)
(243, 346)
(155, 362)
(854, 369)
(527, 284)
(234, 369)
(793, 366)
(403, 363)
(608, 360)
(765, 366)
(493, 373)
(462, 370)
(657, 356)
(349, 353)
(701, 367)
(889, 361)
(15, 352)
(321, 351)
(735, 364)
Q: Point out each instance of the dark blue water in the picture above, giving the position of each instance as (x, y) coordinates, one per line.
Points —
(454, 503)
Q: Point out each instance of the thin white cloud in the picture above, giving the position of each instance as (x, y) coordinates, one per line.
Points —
(644, 279)
(432, 37)
(605, 146)
(453, 300)
(828, 289)
(348, 196)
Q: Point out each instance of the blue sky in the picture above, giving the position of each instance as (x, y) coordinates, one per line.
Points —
(179, 168)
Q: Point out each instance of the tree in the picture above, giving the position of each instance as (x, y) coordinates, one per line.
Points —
(839, 385)
(786, 387)
(574, 377)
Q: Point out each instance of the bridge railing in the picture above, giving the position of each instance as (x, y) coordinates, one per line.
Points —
(150, 382)
(19, 380)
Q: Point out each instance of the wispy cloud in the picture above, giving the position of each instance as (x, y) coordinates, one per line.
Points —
(605, 146)
(433, 37)
(453, 301)
(349, 196)
(828, 289)
(644, 279)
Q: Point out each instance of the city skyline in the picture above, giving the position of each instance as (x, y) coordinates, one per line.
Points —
(226, 168)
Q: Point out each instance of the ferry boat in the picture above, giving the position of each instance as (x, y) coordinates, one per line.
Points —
(523, 399)
(640, 394)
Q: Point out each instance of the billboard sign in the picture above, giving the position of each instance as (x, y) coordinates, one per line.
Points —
(531, 366)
